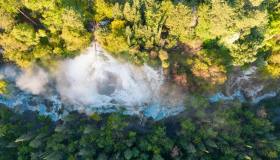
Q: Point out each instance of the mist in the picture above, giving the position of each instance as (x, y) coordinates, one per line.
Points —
(33, 80)
(95, 80)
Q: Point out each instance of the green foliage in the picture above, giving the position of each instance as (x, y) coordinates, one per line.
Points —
(163, 56)
(273, 43)
(30, 26)
(182, 26)
(118, 26)
(136, 29)
(3, 87)
(74, 34)
(230, 33)
(111, 43)
(273, 62)
(204, 69)
(19, 42)
(131, 11)
(11, 6)
(215, 21)
(232, 25)
(244, 51)
(210, 65)
(211, 131)
(223, 20)
(103, 10)
(7, 20)
(24, 33)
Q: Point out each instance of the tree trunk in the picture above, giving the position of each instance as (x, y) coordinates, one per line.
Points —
(26, 16)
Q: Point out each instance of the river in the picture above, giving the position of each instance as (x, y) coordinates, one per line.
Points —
(95, 81)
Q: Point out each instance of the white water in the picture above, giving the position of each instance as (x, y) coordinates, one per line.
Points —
(92, 82)
(245, 86)
(97, 78)
(97, 82)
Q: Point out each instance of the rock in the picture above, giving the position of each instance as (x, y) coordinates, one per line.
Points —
(250, 84)
(153, 54)
(181, 80)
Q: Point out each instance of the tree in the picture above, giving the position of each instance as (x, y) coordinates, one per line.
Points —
(111, 43)
(7, 21)
(132, 11)
(3, 87)
(163, 56)
(25, 33)
(11, 6)
(216, 20)
(39, 6)
(180, 20)
(207, 69)
(29, 28)
(272, 42)
(245, 50)
(273, 61)
(18, 42)
(118, 27)
(256, 2)
(103, 10)
(223, 20)
(74, 34)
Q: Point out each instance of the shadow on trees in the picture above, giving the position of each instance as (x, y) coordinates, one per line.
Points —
(219, 52)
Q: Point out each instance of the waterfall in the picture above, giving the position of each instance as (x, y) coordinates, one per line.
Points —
(92, 82)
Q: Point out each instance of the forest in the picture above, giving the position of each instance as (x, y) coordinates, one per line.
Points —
(231, 131)
(198, 44)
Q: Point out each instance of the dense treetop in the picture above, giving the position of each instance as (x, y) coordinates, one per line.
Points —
(197, 43)
(38, 31)
(229, 132)
(192, 40)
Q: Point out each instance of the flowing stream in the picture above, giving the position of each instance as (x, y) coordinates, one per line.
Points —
(247, 86)
(97, 82)
(92, 82)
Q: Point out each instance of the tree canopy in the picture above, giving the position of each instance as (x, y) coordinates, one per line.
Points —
(141, 30)
(227, 132)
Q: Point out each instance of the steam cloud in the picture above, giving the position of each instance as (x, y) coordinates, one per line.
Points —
(97, 80)
(33, 80)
